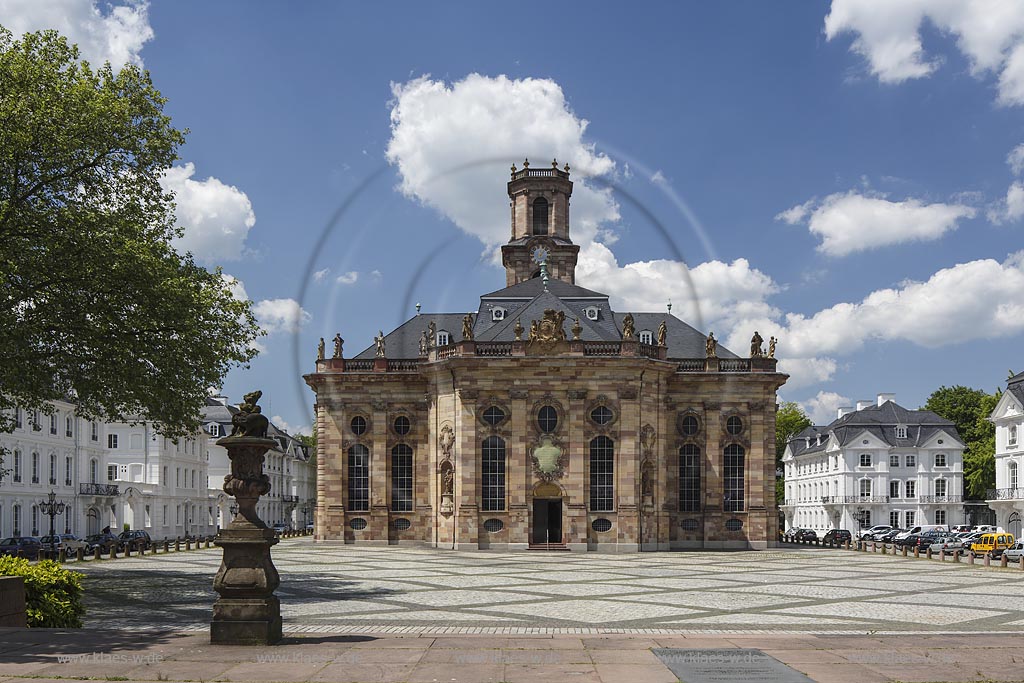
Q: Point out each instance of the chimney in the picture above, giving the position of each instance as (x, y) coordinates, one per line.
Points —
(819, 438)
(861, 405)
(844, 411)
(220, 398)
(807, 442)
(882, 398)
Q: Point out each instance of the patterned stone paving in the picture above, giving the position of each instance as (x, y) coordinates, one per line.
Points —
(339, 588)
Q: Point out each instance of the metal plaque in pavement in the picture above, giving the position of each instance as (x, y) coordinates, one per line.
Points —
(744, 665)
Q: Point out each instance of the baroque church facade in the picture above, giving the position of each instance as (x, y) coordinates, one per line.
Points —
(545, 419)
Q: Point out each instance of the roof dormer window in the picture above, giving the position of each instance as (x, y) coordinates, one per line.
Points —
(901, 431)
(497, 314)
(443, 338)
(646, 337)
(591, 312)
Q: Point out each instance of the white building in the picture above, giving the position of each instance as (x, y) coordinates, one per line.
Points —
(1007, 499)
(877, 464)
(62, 453)
(111, 474)
(292, 497)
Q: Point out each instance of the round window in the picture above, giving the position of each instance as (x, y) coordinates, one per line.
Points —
(493, 526)
(601, 525)
(494, 415)
(689, 425)
(402, 425)
(358, 425)
(547, 419)
(357, 523)
(401, 524)
(734, 524)
(690, 525)
(601, 415)
(734, 425)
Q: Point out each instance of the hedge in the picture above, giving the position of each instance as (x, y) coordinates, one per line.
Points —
(53, 594)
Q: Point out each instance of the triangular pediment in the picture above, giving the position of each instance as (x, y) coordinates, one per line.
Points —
(1008, 406)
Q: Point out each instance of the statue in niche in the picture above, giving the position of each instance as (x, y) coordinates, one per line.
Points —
(448, 481)
(320, 349)
(338, 343)
(446, 441)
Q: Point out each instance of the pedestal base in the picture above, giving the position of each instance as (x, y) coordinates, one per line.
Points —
(246, 621)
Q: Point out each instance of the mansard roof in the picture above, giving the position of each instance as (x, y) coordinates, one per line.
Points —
(528, 289)
(1015, 385)
(404, 341)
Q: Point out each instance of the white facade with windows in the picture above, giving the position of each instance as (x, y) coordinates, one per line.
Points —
(1007, 499)
(877, 464)
(112, 474)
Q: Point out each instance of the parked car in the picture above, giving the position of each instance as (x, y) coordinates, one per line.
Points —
(136, 539)
(280, 529)
(1014, 554)
(805, 535)
(993, 544)
(28, 546)
(925, 527)
(310, 527)
(837, 536)
(947, 543)
(890, 536)
(875, 531)
(67, 542)
(105, 541)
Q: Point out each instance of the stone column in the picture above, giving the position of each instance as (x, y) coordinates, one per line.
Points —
(380, 459)
(247, 611)
(519, 472)
(466, 489)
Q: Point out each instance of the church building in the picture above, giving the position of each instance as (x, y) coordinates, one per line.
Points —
(546, 420)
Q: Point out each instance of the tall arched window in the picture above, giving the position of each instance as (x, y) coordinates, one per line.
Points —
(689, 478)
(1011, 469)
(358, 478)
(492, 474)
(93, 466)
(53, 469)
(540, 216)
(602, 474)
(16, 520)
(401, 478)
(734, 485)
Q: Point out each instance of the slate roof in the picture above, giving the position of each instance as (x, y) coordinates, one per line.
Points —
(1015, 385)
(215, 411)
(881, 422)
(526, 301)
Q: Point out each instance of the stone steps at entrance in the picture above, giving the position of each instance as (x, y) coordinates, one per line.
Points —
(548, 546)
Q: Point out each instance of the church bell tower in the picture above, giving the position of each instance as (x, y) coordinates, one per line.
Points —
(539, 198)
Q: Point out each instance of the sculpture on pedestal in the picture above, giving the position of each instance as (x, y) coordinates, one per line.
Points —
(247, 611)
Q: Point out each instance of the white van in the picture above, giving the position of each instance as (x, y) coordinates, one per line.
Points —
(878, 529)
(920, 529)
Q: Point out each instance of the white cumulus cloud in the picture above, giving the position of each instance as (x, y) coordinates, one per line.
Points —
(348, 278)
(1011, 208)
(320, 275)
(294, 430)
(850, 222)
(989, 33)
(114, 32)
(215, 217)
(824, 406)
(281, 315)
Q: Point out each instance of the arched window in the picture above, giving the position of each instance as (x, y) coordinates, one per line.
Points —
(602, 474)
(16, 520)
(35, 468)
(68, 426)
(733, 483)
(1011, 469)
(35, 520)
(1011, 436)
(401, 478)
(689, 478)
(540, 216)
(492, 474)
(93, 465)
(358, 478)
(17, 465)
(53, 469)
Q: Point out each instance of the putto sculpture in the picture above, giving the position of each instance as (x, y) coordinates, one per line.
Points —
(248, 421)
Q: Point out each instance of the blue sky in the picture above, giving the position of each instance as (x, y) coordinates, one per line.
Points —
(839, 174)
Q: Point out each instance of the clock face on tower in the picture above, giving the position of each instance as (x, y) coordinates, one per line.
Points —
(540, 255)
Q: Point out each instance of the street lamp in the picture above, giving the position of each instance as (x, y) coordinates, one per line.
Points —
(51, 507)
(305, 515)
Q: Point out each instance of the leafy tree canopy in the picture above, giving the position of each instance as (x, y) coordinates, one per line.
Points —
(790, 420)
(98, 307)
(969, 409)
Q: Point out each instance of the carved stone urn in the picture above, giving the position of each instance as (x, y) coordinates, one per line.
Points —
(247, 611)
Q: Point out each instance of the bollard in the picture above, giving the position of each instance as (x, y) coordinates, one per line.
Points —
(1022, 562)
(928, 553)
(988, 560)
(207, 542)
(128, 550)
(113, 552)
(177, 544)
(188, 544)
(62, 556)
(904, 550)
(167, 546)
(956, 556)
(1003, 560)
(942, 554)
(152, 549)
(970, 557)
(846, 545)
(80, 554)
(917, 552)
(98, 555)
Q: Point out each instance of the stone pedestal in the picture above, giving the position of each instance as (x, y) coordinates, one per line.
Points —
(247, 611)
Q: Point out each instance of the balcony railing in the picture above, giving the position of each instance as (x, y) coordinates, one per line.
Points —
(1005, 494)
(843, 500)
(98, 489)
(941, 499)
(287, 498)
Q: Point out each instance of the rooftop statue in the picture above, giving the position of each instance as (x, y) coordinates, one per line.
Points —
(627, 326)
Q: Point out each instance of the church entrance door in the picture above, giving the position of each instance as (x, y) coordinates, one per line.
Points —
(547, 521)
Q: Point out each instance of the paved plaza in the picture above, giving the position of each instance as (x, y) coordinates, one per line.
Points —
(339, 589)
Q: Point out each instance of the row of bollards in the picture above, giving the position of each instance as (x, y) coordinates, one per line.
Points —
(863, 546)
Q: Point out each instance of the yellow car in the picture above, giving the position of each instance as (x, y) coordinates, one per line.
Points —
(993, 543)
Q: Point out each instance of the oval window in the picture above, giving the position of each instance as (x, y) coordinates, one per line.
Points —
(734, 524)
(358, 425)
(547, 419)
(493, 526)
(690, 525)
(402, 425)
(601, 415)
(401, 524)
(494, 415)
(734, 425)
(357, 523)
(601, 525)
(689, 425)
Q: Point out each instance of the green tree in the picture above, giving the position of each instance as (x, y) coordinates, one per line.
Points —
(98, 307)
(969, 409)
(790, 420)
